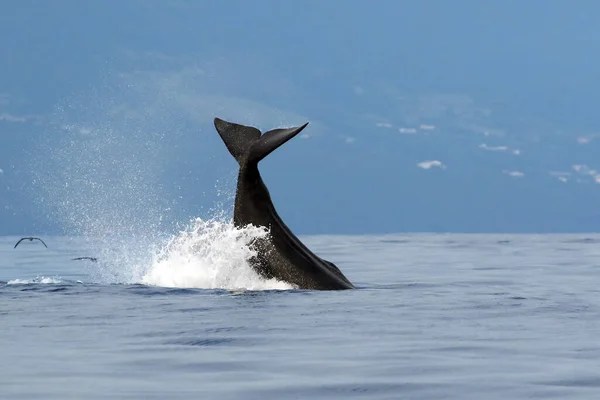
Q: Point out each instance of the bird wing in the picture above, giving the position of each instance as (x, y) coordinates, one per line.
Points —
(20, 240)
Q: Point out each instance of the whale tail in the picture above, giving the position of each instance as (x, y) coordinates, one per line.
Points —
(247, 145)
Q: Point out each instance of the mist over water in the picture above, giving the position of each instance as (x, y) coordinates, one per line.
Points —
(98, 169)
(102, 173)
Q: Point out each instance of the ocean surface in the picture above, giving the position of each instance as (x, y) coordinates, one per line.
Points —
(433, 317)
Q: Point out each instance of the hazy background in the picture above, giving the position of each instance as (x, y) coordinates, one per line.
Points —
(462, 116)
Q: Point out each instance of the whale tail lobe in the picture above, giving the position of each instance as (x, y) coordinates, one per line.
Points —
(247, 145)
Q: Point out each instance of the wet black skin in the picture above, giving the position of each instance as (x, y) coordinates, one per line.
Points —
(280, 254)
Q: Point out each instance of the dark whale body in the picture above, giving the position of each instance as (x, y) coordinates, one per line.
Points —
(280, 254)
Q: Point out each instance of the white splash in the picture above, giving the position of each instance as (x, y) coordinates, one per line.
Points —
(209, 255)
(38, 280)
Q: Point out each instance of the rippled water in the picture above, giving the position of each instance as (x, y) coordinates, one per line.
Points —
(434, 316)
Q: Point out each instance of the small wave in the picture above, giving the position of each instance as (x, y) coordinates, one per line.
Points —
(37, 280)
(206, 342)
(585, 240)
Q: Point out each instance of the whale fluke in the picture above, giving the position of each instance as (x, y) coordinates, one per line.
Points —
(280, 254)
(245, 143)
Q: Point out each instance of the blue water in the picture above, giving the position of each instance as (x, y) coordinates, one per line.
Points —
(434, 317)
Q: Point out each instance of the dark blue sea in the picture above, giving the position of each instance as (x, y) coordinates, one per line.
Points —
(433, 317)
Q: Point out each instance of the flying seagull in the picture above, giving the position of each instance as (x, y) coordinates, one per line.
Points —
(94, 259)
(31, 240)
